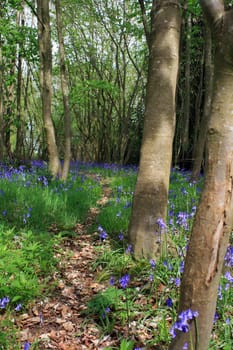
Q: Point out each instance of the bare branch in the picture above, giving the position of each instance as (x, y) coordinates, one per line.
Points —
(145, 22)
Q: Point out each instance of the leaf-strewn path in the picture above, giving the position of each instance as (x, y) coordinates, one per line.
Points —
(58, 321)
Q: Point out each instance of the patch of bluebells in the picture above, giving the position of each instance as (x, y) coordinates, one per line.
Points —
(228, 260)
(5, 301)
(182, 220)
(182, 324)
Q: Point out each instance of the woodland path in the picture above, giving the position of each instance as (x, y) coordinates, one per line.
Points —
(58, 321)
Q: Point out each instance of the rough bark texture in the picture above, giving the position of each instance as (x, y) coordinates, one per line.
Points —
(213, 221)
(151, 192)
(45, 49)
(65, 94)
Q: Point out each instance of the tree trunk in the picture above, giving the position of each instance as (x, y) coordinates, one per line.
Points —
(45, 49)
(65, 94)
(151, 192)
(2, 145)
(201, 140)
(19, 133)
(214, 219)
(186, 111)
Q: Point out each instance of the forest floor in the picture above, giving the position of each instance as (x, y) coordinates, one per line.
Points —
(59, 321)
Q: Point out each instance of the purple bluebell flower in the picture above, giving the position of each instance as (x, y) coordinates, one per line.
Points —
(18, 307)
(102, 234)
(182, 266)
(129, 249)
(228, 277)
(161, 224)
(121, 236)
(4, 302)
(152, 263)
(106, 311)
(26, 346)
(216, 317)
(151, 277)
(169, 302)
(112, 281)
(182, 323)
(124, 281)
(228, 260)
(182, 220)
(185, 346)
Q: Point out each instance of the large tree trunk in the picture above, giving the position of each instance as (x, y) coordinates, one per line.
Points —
(151, 192)
(214, 219)
(45, 49)
(65, 94)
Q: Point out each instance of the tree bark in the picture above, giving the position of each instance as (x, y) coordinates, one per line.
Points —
(45, 49)
(65, 94)
(151, 192)
(214, 219)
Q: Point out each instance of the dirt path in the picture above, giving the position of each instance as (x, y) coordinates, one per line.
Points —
(58, 321)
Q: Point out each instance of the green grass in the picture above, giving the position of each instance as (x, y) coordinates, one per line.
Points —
(31, 203)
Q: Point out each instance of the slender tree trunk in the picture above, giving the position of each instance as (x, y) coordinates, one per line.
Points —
(45, 49)
(65, 94)
(214, 219)
(151, 192)
(2, 146)
(19, 133)
(201, 140)
(186, 112)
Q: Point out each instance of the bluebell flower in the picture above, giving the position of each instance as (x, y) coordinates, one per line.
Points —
(182, 266)
(26, 346)
(228, 260)
(129, 249)
(161, 224)
(106, 311)
(169, 302)
(185, 346)
(18, 307)
(4, 302)
(228, 277)
(182, 324)
(151, 277)
(102, 234)
(182, 220)
(112, 281)
(121, 236)
(152, 263)
(124, 281)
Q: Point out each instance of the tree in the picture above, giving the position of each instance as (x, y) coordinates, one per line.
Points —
(151, 192)
(45, 49)
(65, 93)
(199, 145)
(214, 218)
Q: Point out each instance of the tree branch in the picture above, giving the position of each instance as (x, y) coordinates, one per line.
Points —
(213, 10)
(145, 22)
